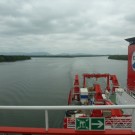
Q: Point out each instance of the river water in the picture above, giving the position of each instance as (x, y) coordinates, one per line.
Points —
(47, 81)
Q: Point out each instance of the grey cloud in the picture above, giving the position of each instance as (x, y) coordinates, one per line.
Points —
(57, 25)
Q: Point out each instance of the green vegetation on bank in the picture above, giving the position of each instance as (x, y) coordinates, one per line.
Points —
(118, 57)
(4, 58)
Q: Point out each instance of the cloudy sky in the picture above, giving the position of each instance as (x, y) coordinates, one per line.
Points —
(66, 26)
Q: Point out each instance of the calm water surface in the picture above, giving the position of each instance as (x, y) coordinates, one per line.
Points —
(46, 81)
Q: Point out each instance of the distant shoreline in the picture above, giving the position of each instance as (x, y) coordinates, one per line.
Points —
(8, 58)
(68, 56)
(13, 58)
(118, 57)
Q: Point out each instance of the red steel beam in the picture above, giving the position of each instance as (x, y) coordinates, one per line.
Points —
(95, 75)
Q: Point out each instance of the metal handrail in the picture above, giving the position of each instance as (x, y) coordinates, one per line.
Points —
(66, 107)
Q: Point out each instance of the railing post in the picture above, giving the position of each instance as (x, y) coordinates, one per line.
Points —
(133, 120)
(46, 120)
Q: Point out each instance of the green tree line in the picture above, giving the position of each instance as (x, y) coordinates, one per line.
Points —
(13, 58)
(118, 57)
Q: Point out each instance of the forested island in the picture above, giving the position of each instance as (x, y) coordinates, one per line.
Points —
(4, 58)
(118, 57)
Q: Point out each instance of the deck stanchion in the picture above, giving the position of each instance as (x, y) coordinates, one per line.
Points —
(46, 120)
(133, 120)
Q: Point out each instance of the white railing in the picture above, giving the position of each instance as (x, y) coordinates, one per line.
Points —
(118, 123)
(46, 108)
(130, 92)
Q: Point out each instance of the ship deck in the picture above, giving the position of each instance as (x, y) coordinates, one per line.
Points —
(61, 131)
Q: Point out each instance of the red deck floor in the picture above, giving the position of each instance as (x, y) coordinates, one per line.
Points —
(62, 131)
